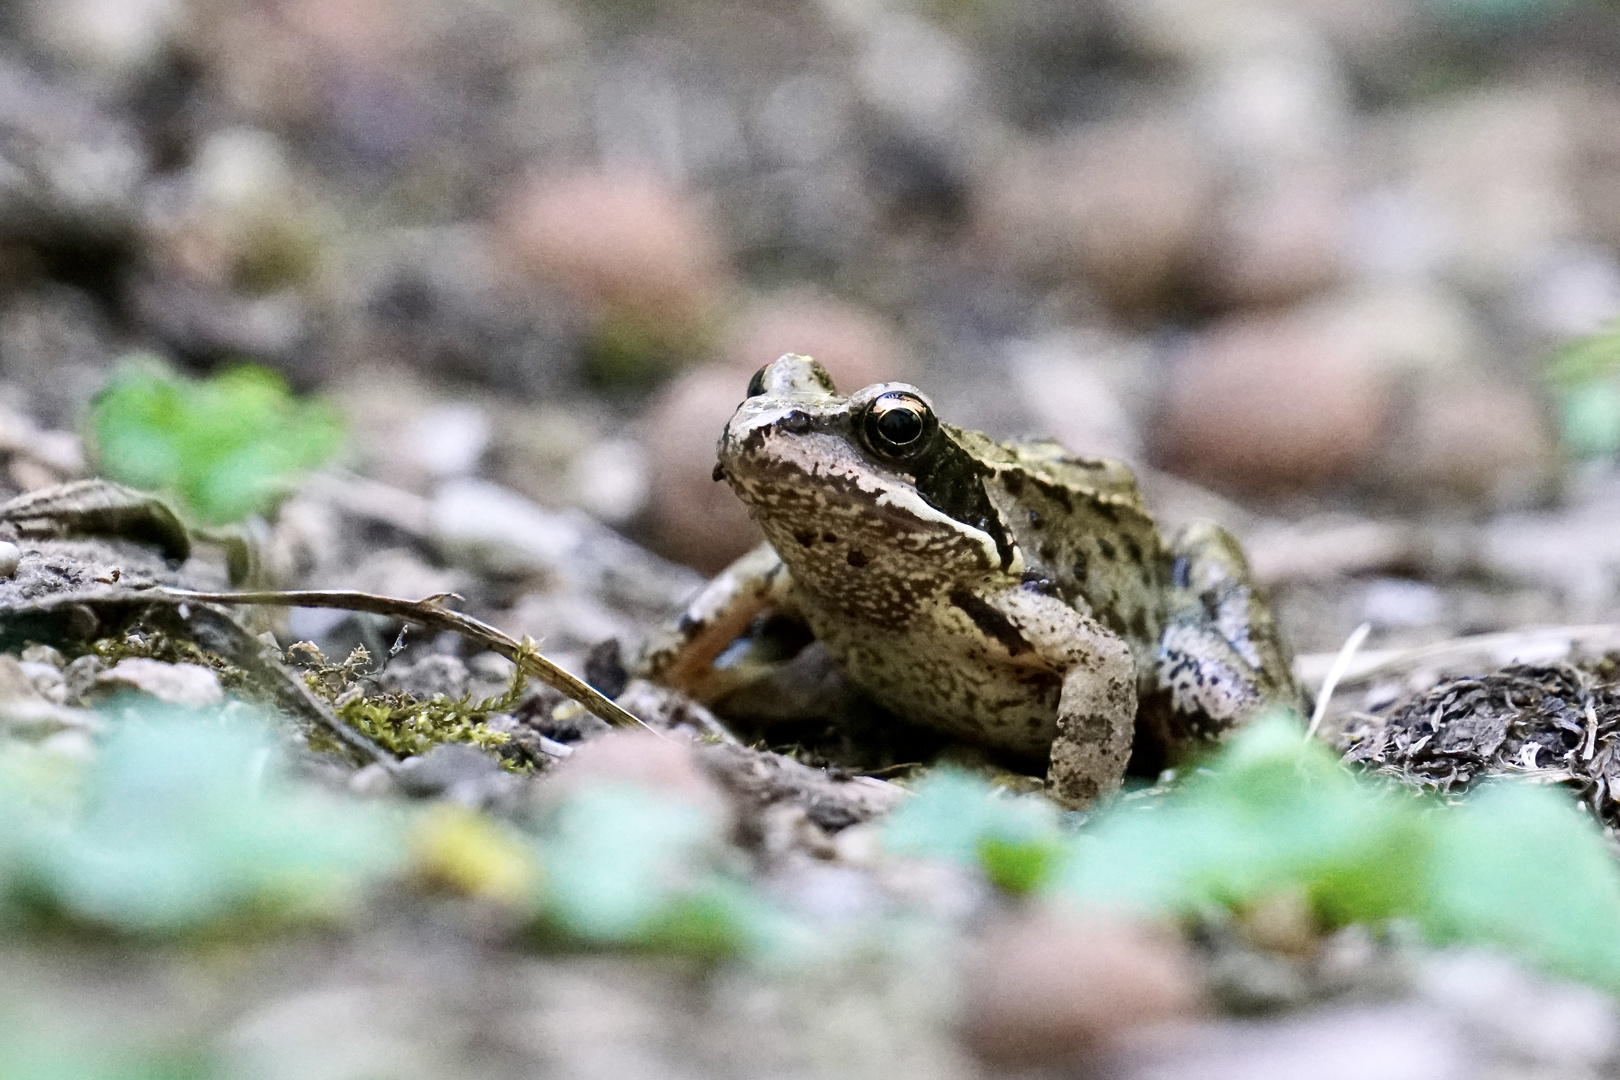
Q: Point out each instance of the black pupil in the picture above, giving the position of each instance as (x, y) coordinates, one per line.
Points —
(756, 385)
(899, 423)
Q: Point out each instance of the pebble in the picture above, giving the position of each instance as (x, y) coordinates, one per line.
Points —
(1270, 405)
(43, 654)
(1279, 239)
(1049, 987)
(692, 518)
(855, 345)
(436, 674)
(495, 530)
(1472, 439)
(445, 769)
(1126, 205)
(623, 242)
(187, 685)
(448, 439)
(10, 558)
(644, 760)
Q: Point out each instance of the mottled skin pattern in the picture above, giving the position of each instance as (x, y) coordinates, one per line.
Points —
(1010, 594)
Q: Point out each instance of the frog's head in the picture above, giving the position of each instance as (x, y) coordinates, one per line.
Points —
(867, 488)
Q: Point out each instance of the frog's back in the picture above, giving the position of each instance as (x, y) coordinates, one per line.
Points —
(1083, 527)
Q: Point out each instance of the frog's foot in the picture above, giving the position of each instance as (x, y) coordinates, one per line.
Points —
(1095, 724)
(683, 654)
(1221, 658)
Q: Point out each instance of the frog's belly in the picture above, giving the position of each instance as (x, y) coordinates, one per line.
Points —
(956, 687)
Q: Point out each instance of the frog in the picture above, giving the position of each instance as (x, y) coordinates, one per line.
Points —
(1012, 595)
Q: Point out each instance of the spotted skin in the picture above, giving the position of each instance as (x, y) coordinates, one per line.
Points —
(1010, 594)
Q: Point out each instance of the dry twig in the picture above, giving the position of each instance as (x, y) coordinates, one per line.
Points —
(434, 615)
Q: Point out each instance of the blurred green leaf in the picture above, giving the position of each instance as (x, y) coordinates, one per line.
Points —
(28, 1056)
(1585, 375)
(183, 821)
(1519, 865)
(956, 816)
(616, 857)
(224, 447)
(1272, 813)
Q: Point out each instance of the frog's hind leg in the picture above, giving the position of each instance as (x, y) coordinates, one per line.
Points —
(1221, 657)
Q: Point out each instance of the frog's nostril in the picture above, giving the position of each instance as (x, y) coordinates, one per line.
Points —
(795, 423)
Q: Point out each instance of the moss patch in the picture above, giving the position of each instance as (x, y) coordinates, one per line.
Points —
(402, 723)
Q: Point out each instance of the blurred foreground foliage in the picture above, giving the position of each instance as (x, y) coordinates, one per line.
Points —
(192, 827)
(223, 447)
(1512, 864)
(187, 824)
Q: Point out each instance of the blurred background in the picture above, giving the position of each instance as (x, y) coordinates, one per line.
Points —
(1312, 256)
(1342, 274)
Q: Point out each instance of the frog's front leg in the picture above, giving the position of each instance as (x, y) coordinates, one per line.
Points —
(682, 655)
(1221, 658)
(1096, 718)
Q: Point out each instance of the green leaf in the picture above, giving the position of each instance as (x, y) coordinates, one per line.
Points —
(1519, 865)
(616, 858)
(223, 447)
(184, 821)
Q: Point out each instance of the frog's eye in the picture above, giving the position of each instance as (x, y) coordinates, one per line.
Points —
(897, 423)
(756, 385)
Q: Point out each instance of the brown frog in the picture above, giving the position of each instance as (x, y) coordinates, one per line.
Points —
(1010, 594)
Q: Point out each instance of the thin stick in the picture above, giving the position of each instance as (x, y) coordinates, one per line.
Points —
(432, 614)
(1389, 660)
(1341, 664)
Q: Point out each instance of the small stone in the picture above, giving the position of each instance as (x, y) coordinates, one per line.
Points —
(1473, 440)
(372, 781)
(608, 480)
(437, 674)
(43, 654)
(623, 242)
(1401, 602)
(448, 769)
(28, 713)
(80, 675)
(448, 439)
(1049, 987)
(641, 759)
(856, 346)
(1279, 239)
(493, 529)
(693, 519)
(187, 685)
(1270, 405)
(10, 558)
(1126, 205)
(46, 679)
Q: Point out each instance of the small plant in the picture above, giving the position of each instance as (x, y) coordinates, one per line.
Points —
(398, 722)
(1585, 374)
(1514, 865)
(223, 447)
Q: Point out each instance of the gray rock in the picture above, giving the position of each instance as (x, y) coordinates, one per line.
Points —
(81, 674)
(43, 654)
(434, 674)
(189, 685)
(458, 771)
